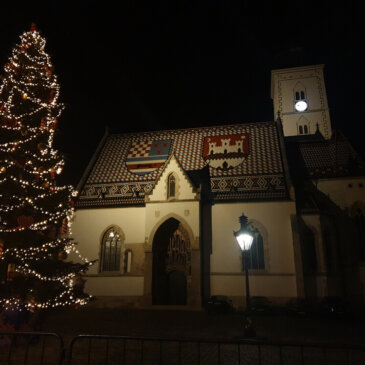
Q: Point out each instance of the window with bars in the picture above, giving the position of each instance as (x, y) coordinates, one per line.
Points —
(111, 251)
(255, 257)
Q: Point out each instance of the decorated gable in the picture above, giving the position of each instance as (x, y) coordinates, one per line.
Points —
(244, 162)
(173, 184)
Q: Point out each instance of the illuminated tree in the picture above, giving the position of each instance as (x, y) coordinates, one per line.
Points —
(35, 213)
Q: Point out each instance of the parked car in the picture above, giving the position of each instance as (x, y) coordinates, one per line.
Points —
(332, 307)
(219, 304)
(261, 305)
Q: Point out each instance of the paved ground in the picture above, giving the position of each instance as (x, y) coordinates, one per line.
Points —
(198, 324)
(195, 326)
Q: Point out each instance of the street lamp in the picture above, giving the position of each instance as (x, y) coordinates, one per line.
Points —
(244, 239)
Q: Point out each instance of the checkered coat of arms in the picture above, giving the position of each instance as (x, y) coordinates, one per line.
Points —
(146, 156)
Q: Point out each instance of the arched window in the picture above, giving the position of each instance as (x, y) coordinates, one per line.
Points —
(256, 258)
(303, 126)
(171, 186)
(111, 248)
(302, 95)
(297, 95)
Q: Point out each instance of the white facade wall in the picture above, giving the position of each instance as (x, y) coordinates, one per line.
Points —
(343, 191)
(88, 228)
(273, 219)
(114, 286)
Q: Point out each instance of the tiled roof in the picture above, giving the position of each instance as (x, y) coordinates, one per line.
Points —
(331, 158)
(254, 167)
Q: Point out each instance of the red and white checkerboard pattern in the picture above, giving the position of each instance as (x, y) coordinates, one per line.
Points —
(264, 158)
(140, 149)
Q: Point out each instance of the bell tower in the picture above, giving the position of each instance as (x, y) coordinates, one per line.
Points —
(299, 94)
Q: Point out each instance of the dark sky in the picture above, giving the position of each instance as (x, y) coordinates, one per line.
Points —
(134, 67)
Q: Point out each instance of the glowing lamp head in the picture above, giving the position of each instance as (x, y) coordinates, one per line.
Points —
(244, 237)
(244, 241)
(301, 106)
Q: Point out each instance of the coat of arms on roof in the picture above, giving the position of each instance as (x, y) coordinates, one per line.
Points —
(227, 151)
(147, 156)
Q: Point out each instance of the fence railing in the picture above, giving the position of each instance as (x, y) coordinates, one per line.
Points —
(27, 348)
(92, 349)
(48, 348)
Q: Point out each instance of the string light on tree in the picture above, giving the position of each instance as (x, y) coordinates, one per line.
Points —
(35, 213)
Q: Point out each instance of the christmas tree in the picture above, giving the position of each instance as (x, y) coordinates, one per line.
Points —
(35, 213)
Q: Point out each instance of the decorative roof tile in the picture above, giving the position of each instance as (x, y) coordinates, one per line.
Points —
(331, 158)
(242, 158)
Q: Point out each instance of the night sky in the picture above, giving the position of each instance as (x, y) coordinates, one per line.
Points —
(134, 67)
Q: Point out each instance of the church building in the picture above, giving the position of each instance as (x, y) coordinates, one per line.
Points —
(158, 209)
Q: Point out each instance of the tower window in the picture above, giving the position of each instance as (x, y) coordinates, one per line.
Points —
(297, 95)
(303, 128)
(302, 95)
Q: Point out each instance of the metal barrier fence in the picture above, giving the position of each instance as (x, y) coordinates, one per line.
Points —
(110, 350)
(31, 348)
(39, 348)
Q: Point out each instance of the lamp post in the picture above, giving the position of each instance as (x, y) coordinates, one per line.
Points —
(244, 239)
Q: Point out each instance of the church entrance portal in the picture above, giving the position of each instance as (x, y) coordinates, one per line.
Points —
(171, 265)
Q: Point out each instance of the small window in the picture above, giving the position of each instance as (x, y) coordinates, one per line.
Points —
(305, 129)
(110, 251)
(302, 95)
(300, 129)
(297, 95)
(127, 261)
(255, 258)
(171, 188)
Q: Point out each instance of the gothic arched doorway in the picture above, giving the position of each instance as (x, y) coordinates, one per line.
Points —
(171, 264)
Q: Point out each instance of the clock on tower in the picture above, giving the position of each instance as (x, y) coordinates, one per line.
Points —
(299, 94)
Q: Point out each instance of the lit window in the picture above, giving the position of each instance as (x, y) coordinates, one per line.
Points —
(110, 251)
